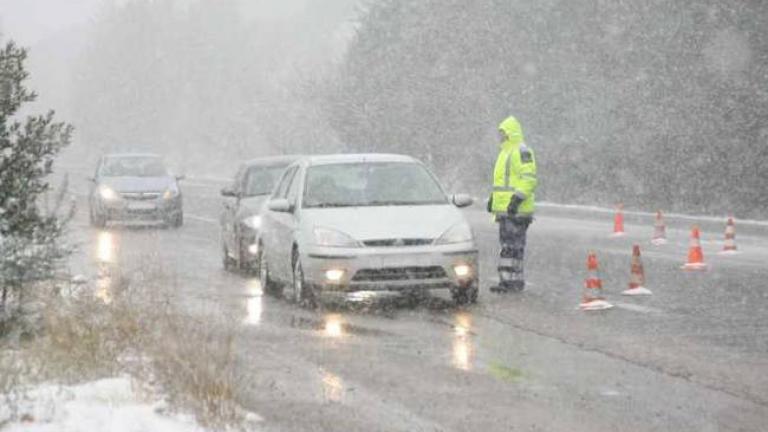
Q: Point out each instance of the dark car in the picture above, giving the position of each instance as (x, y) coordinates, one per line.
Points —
(135, 187)
(240, 219)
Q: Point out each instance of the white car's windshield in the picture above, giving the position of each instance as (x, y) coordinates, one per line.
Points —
(261, 179)
(371, 184)
(133, 167)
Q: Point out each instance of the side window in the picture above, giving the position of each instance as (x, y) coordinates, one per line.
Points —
(293, 189)
(285, 182)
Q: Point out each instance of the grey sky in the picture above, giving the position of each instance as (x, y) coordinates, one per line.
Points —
(30, 21)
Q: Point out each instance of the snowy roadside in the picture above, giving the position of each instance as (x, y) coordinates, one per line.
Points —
(109, 405)
(121, 362)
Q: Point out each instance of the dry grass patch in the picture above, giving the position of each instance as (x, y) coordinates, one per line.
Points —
(139, 328)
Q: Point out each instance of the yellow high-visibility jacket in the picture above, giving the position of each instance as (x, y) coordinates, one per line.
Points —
(515, 171)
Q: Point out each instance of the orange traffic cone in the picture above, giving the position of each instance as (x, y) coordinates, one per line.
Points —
(618, 222)
(637, 275)
(729, 248)
(659, 230)
(592, 295)
(695, 254)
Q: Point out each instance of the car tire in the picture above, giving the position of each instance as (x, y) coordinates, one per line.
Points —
(97, 220)
(178, 220)
(464, 295)
(226, 261)
(303, 293)
(243, 263)
(267, 284)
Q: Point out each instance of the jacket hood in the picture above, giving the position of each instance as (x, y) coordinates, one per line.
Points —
(511, 127)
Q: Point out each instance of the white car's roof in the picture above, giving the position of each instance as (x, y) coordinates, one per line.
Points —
(272, 160)
(357, 158)
(132, 155)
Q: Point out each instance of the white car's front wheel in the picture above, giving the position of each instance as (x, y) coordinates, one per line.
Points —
(303, 294)
(267, 284)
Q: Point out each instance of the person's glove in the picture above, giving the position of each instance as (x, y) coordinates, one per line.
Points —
(514, 204)
(489, 204)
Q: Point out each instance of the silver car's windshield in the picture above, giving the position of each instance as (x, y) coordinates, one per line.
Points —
(371, 184)
(133, 167)
(261, 179)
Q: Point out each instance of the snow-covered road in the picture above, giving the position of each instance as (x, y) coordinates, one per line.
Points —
(693, 356)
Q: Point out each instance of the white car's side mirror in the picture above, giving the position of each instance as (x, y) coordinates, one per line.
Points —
(280, 205)
(462, 200)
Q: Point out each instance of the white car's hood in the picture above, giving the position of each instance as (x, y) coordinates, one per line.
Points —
(385, 222)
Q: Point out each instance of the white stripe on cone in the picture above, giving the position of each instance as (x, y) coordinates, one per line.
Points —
(694, 266)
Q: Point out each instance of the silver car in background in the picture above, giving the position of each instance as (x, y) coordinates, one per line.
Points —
(135, 187)
(357, 225)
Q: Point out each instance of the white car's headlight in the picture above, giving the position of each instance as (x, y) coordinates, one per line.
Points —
(253, 222)
(459, 233)
(107, 193)
(333, 238)
(171, 192)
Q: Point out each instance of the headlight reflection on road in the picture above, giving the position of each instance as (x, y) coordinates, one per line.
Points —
(253, 303)
(462, 343)
(104, 289)
(334, 326)
(105, 250)
(333, 386)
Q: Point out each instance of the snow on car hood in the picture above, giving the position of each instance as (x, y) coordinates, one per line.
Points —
(138, 184)
(386, 222)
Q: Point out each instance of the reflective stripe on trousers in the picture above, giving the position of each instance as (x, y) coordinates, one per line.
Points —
(512, 235)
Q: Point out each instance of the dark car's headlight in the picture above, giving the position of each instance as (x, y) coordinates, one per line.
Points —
(253, 222)
(171, 193)
(107, 193)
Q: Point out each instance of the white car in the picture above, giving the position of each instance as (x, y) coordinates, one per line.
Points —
(362, 224)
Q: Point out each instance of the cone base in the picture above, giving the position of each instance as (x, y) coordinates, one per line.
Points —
(694, 266)
(639, 291)
(595, 305)
(729, 252)
(618, 234)
(659, 241)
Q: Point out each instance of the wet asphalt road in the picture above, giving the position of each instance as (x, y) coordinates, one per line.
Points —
(694, 356)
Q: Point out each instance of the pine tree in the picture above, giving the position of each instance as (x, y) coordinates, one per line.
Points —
(29, 249)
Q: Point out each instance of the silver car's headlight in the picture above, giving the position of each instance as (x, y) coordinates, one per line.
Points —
(107, 193)
(459, 233)
(253, 222)
(333, 238)
(171, 192)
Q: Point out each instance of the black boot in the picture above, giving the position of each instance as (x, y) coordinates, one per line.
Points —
(499, 289)
(517, 285)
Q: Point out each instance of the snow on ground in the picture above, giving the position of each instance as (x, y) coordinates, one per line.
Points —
(108, 405)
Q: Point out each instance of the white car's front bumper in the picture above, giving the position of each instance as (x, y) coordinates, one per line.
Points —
(390, 268)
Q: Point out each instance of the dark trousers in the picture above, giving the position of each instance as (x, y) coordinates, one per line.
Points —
(512, 233)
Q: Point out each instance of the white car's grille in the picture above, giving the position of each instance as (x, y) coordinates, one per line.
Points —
(398, 242)
(399, 274)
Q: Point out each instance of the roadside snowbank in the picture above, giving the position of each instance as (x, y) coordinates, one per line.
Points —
(108, 405)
